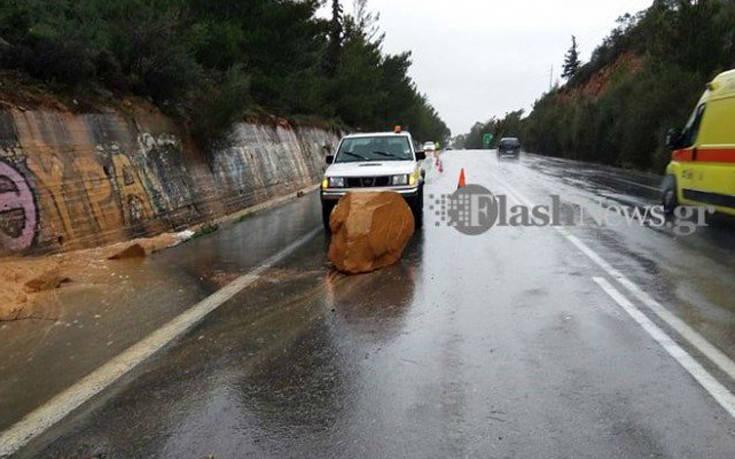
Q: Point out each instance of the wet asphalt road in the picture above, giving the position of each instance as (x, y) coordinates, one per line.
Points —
(498, 345)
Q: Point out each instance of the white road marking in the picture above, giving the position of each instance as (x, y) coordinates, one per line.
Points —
(717, 357)
(722, 361)
(45, 416)
(723, 396)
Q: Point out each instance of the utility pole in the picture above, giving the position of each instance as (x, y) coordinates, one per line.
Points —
(551, 77)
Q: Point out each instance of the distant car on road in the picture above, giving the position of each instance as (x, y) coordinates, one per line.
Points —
(429, 147)
(509, 146)
(375, 162)
(702, 164)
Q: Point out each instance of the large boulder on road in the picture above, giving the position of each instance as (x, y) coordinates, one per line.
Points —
(369, 231)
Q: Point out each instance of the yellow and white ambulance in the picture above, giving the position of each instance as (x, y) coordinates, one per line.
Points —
(702, 167)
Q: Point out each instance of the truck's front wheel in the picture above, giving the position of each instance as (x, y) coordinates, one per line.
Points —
(668, 194)
(327, 208)
(417, 207)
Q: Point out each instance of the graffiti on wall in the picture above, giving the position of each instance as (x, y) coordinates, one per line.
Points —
(170, 182)
(18, 213)
(100, 179)
(61, 197)
(89, 193)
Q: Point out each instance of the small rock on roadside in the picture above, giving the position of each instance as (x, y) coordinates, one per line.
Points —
(185, 235)
(50, 280)
(134, 251)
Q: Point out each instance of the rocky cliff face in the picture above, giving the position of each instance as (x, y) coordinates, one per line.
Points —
(70, 181)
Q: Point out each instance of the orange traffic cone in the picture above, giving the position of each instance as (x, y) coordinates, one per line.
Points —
(462, 183)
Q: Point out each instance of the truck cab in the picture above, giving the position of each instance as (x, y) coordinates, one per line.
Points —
(374, 162)
(702, 167)
(509, 146)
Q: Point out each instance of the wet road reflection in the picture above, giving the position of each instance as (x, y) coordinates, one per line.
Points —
(490, 345)
(93, 322)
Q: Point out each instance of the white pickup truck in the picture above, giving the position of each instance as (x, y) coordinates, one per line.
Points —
(375, 162)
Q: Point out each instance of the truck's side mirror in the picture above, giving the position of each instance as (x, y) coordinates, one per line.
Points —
(330, 159)
(673, 139)
(420, 155)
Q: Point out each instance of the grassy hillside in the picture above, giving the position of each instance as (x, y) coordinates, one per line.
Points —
(642, 80)
(210, 63)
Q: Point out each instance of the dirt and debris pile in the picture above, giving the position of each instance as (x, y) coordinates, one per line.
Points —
(369, 231)
(30, 286)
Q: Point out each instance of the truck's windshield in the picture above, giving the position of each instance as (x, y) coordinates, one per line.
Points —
(691, 130)
(510, 142)
(379, 148)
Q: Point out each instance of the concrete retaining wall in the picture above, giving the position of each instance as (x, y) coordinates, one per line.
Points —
(73, 181)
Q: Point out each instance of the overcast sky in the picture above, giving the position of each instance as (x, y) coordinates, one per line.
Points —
(480, 58)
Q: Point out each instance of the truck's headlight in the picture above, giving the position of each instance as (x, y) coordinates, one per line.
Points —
(336, 182)
(413, 178)
(398, 180)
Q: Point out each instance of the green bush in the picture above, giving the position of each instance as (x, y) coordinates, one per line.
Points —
(56, 62)
(683, 44)
(208, 62)
(217, 106)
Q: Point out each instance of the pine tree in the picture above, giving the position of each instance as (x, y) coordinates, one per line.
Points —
(336, 30)
(571, 61)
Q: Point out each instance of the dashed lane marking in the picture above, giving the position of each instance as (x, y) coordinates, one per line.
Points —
(722, 361)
